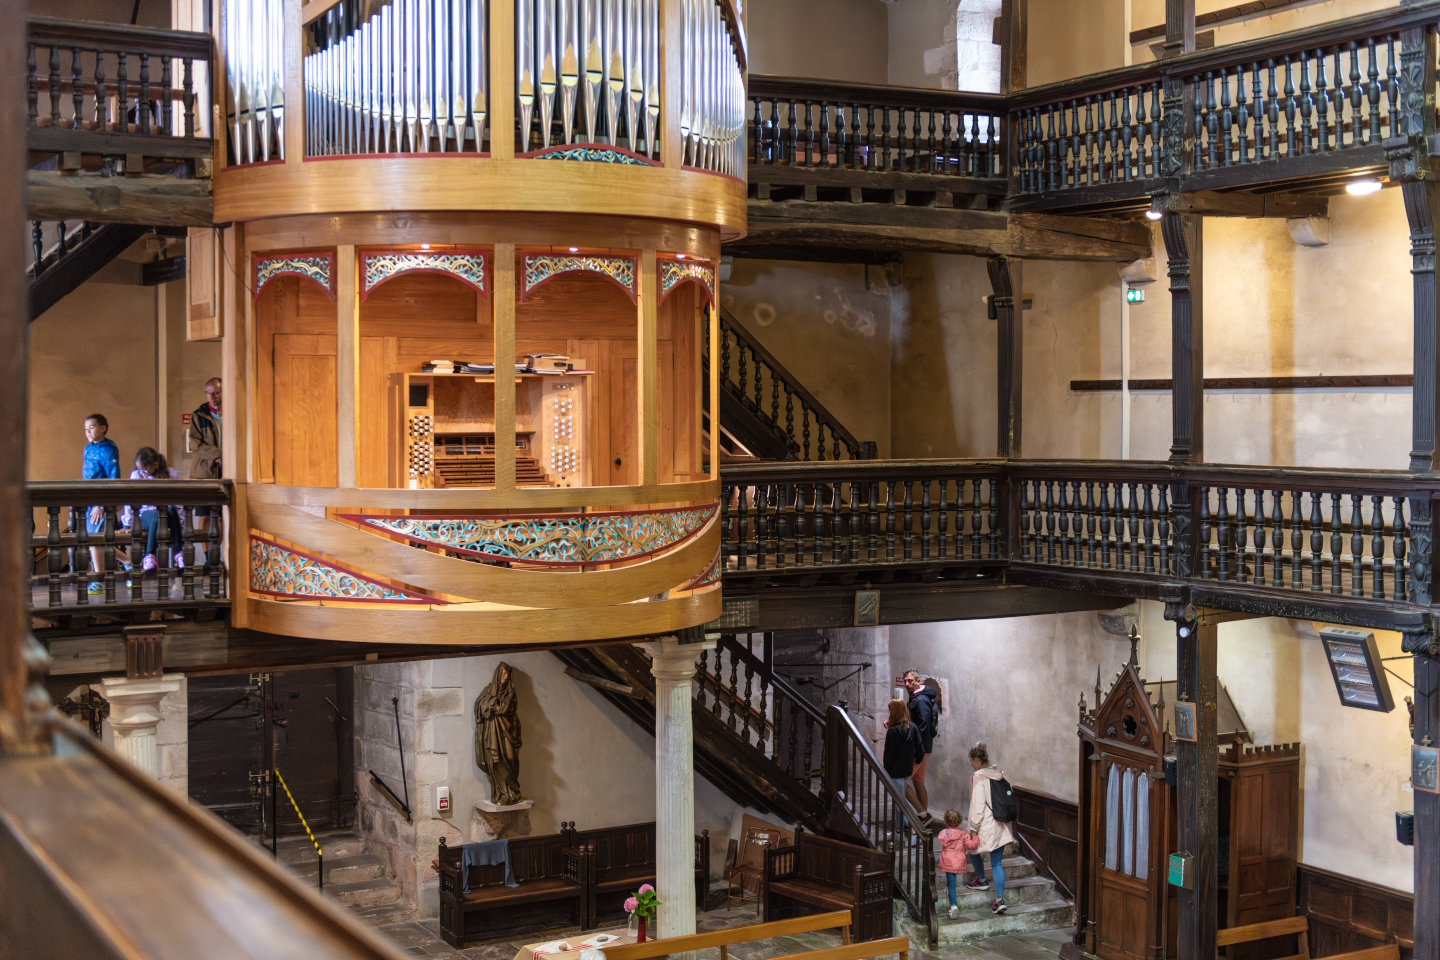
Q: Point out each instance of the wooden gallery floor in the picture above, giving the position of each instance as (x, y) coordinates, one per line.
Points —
(421, 938)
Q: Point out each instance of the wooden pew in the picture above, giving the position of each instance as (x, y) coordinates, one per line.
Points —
(1299, 928)
(621, 860)
(830, 874)
(724, 939)
(553, 891)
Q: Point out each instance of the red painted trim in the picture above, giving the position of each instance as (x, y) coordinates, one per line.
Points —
(416, 597)
(285, 254)
(487, 255)
(634, 260)
(712, 565)
(364, 520)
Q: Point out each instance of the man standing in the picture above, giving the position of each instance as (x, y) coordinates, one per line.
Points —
(925, 714)
(202, 442)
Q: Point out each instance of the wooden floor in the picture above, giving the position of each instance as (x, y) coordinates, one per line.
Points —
(421, 938)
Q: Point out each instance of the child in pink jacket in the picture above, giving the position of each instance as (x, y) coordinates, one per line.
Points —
(955, 843)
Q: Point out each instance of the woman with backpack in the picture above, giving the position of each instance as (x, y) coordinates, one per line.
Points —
(992, 811)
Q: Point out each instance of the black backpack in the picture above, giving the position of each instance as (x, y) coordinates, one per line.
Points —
(1002, 801)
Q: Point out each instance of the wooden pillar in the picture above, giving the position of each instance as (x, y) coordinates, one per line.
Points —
(648, 372)
(1198, 791)
(1179, 27)
(713, 319)
(1425, 647)
(237, 325)
(1014, 42)
(1007, 307)
(504, 303)
(19, 651)
(347, 366)
(293, 78)
(502, 94)
(672, 40)
(1184, 240)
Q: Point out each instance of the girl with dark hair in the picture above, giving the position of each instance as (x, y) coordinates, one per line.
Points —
(150, 465)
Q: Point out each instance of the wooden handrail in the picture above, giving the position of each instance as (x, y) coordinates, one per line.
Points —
(836, 920)
(116, 38)
(737, 650)
(857, 951)
(831, 91)
(117, 493)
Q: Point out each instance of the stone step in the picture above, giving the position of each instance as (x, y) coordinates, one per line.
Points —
(362, 866)
(980, 924)
(336, 844)
(1016, 868)
(383, 913)
(1031, 889)
(376, 891)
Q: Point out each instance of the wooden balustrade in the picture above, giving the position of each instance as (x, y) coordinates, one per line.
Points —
(762, 709)
(189, 570)
(67, 235)
(1281, 530)
(808, 123)
(116, 90)
(769, 391)
(1331, 89)
(858, 784)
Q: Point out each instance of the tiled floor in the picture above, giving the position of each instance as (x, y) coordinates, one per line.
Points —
(421, 938)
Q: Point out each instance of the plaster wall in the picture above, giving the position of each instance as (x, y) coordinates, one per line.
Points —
(829, 331)
(943, 366)
(1016, 685)
(1353, 762)
(787, 38)
(1068, 39)
(97, 351)
(581, 760)
(1148, 13)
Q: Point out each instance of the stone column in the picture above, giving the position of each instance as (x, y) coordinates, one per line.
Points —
(135, 715)
(672, 663)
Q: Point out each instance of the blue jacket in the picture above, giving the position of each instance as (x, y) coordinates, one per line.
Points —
(102, 461)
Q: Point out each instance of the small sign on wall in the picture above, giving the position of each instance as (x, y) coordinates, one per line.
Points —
(1185, 722)
(867, 608)
(1423, 773)
(1180, 874)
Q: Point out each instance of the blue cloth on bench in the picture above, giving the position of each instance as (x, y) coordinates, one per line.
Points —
(485, 854)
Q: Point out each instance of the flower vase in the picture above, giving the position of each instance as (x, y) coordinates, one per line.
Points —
(640, 934)
(633, 927)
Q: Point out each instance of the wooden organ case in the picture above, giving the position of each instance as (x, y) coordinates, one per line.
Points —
(1124, 908)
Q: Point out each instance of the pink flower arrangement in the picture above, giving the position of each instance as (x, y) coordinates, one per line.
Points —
(643, 903)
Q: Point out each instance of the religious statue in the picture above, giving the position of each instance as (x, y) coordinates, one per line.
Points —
(497, 737)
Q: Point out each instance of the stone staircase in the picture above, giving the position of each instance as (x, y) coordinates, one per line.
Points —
(1031, 899)
(354, 877)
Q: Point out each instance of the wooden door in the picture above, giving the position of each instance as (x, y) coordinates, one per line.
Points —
(1263, 830)
(298, 721)
(1123, 918)
(306, 432)
(625, 412)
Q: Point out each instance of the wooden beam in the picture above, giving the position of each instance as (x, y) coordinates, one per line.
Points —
(148, 198)
(347, 365)
(672, 43)
(1198, 791)
(648, 370)
(1184, 242)
(1006, 279)
(1363, 381)
(1014, 24)
(1242, 11)
(1218, 204)
(1179, 27)
(112, 143)
(504, 303)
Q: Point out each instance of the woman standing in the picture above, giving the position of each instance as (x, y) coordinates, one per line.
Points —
(902, 747)
(994, 836)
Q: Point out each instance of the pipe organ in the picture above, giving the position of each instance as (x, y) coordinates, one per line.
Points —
(507, 184)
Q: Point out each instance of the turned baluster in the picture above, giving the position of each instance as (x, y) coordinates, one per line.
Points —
(835, 548)
(53, 559)
(1260, 521)
(1357, 546)
(762, 524)
(856, 495)
(1399, 543)
(742, 527)
(1198, 83)
(702, 673)
(1377, 547)
(890, 520)
(1273, 115)
(1147, 491)
(724, 353)
(1242, 118)
(781, 499)
(817, 529)
(1307, 105)
(1372, 91)
(975, 519)
(107, 554)
(734, 698)
(1226, 118)
(1052, 522)
(1322, 105)
(873, 521)
(1392, 86)
(1316, 541)
(1134, 524)
(54, 84)
(756, 361)
(1164, 529)
(792, 135)
(183, 554)
(1027, 510)
(1337, 99)
(1062, 520)
(805, 428)
(137, 547)
(1207, 552)
(925, 532)
(187, 94)
(1104, 525)
(944, 521)
(915, 142)
(747, 711)
(1077, 522)
(32, 86)
(1090, 524)
(1336, 571)
(1242, 523)
(1296, 541)
(1222, 532)
(1131, 134)
(1114, 140)
(1357, 97)
(774, 398)
(1256, 79)
(1277, 538)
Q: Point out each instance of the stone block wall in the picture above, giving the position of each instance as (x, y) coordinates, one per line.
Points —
(172, 739)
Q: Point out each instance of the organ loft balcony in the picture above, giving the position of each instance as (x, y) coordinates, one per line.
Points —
(465, 283)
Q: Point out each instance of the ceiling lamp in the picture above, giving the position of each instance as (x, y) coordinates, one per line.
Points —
(1360, 188)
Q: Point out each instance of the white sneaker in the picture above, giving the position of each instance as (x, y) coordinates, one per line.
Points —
(954, 913)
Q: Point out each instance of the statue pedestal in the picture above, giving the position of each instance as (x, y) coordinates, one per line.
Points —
(491, 821)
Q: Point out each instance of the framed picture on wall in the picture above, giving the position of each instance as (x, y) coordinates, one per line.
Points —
(1423, 769)
(1184, 728)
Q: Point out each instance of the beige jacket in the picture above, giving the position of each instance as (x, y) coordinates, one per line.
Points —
(994, 835)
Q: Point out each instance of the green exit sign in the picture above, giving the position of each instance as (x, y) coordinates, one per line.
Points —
(1134, 295)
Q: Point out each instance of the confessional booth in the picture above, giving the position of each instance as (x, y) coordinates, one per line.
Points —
(1125, 909)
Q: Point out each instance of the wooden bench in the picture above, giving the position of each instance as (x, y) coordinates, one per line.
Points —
(621, 859)
(553, 891)
(830, 875)
(724, 939)
(1299, 928)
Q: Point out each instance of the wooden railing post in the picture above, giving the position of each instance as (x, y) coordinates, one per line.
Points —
(1184, 242)
(1007, 309)
(1198, 793)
